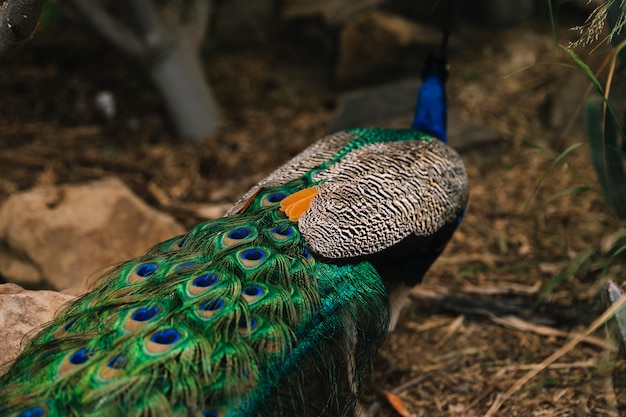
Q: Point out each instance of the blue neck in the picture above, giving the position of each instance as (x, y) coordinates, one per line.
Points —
(432, 104)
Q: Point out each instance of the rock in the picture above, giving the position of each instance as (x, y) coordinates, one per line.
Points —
(22, 312)
(378, 43)
(392, 105)
(58, 237)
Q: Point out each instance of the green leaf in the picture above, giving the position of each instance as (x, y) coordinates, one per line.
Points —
(606, 156)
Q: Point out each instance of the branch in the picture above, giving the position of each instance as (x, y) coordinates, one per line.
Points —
(197, 21)
(18, 20)
(98, 19)
(149, 25)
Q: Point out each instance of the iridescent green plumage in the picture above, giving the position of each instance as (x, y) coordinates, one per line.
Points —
(254, 314)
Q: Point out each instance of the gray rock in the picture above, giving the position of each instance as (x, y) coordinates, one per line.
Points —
(57, 237)
(392, 106)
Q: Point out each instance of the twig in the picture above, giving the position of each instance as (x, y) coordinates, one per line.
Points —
(98, 19)
(500, 399)
(524, 326)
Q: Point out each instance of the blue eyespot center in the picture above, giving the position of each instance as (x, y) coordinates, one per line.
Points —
(253, 254)
(145, 314)
(165, 337)
(117, 362)
(238, 234)
(36, 411)
(211, 305)
(276, 197)
(182, 268)
(69, 324)
(147, 269)
(205, 280)
(209, 413)
(80, 356)
(283, 231)
(253, 290)
(244, 322)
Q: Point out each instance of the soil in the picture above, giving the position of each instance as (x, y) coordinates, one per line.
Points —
(456, 348)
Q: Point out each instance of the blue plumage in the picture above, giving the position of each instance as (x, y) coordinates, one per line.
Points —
(432, 104)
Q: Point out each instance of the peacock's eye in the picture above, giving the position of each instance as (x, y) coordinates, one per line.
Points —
(240, 233)
(146, 269)
(253, 290)
(80, 356)
(205, 280)
(276, 197)
(145, 314)
(253, 254)
(165, 337)
(212, 305)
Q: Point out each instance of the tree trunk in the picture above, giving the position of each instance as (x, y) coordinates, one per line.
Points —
(179, 76)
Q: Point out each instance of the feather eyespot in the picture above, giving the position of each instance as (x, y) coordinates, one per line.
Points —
(117, 362)
(165, 337)
(76, 358)
(205, 280)
(81, 356)
(246, 324)
(252, 293)
(63, 330)
(252, 257)
(163, 340)
(145, 314)
(238, 236)
(308, 258)
(273, 198)
(282, 233)
(209, 308)
(202, 283)
(36, 411)
(212, 305)
(253, 290)
(113, 367)
(240, 233)
(140, 317)
(184, 267)
(146, 270)
(142, 271)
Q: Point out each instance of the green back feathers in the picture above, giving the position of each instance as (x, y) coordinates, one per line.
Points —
(249, 315)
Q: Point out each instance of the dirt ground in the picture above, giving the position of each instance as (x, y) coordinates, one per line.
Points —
(456, 348)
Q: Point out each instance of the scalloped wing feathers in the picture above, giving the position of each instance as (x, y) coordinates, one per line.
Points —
(381, 193)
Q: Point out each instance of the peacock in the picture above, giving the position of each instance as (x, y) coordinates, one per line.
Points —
(276, 309)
